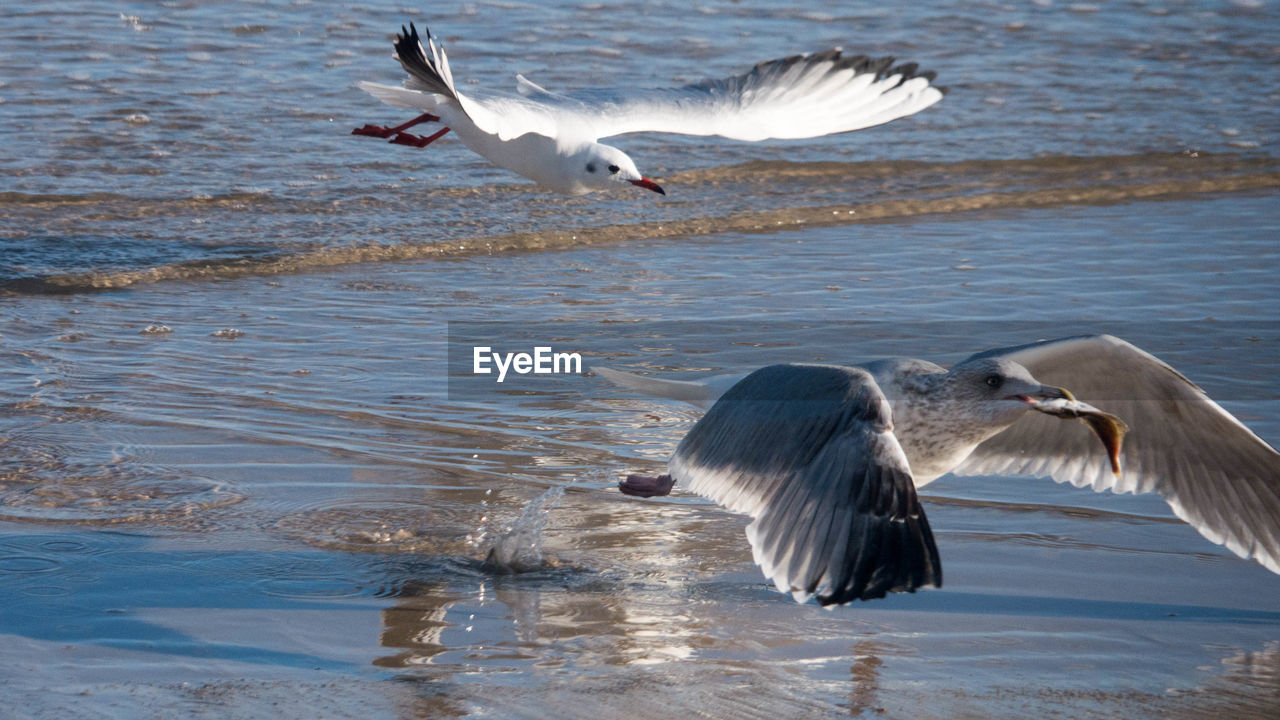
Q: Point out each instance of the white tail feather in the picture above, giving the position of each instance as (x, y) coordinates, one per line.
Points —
(400, 97)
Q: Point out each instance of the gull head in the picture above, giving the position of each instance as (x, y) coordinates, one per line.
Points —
(602, 167)
(994, 391)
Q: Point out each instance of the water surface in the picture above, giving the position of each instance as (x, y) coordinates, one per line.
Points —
(238, 470)
(181, 139)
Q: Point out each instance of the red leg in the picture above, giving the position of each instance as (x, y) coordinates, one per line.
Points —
(386, 132)
(646, 486)
(417, 140)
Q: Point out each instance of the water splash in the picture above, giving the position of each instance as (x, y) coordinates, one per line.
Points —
(519, 548)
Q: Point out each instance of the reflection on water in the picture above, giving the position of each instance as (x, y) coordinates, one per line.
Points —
(865, 677)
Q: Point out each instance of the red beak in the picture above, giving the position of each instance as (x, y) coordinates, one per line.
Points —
(649, 185)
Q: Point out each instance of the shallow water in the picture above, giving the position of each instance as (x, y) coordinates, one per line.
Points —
(181, 139)
(244, 467)
(308, 504)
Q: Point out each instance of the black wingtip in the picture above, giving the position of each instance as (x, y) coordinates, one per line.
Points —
(906, 71)
(410, 35)
(880, 65)
(413, 57)
(835, 61)
(901, 556)
(832, 55)
(883, 68)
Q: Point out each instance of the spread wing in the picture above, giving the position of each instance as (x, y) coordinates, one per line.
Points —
(808, 451)
(801, 96)
(1213, 471)
(796, 97)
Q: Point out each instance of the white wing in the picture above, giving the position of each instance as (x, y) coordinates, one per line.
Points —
(801, 96)
(808, 451)
(1213, 471)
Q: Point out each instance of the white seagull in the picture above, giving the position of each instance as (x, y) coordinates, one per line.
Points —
(827, 459)
(553, 138)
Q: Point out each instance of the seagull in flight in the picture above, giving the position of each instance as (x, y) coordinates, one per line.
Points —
(554, 138)
(826, 459)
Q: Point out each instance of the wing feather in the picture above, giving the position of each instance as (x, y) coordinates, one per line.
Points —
(800, 96)
(703, 392)
(795, 97)
(428, 73)
(1214, 472)
(808, 451)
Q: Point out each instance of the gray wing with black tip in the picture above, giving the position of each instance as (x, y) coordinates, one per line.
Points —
(808, 451)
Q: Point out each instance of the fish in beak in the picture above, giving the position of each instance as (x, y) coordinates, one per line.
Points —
(1059, 402)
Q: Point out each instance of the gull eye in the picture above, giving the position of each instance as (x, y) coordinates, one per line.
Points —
(591, 167)
(994, 381)
(613, 169)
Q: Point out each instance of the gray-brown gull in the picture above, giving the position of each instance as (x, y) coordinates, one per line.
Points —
(827, 459)
(554, 138)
